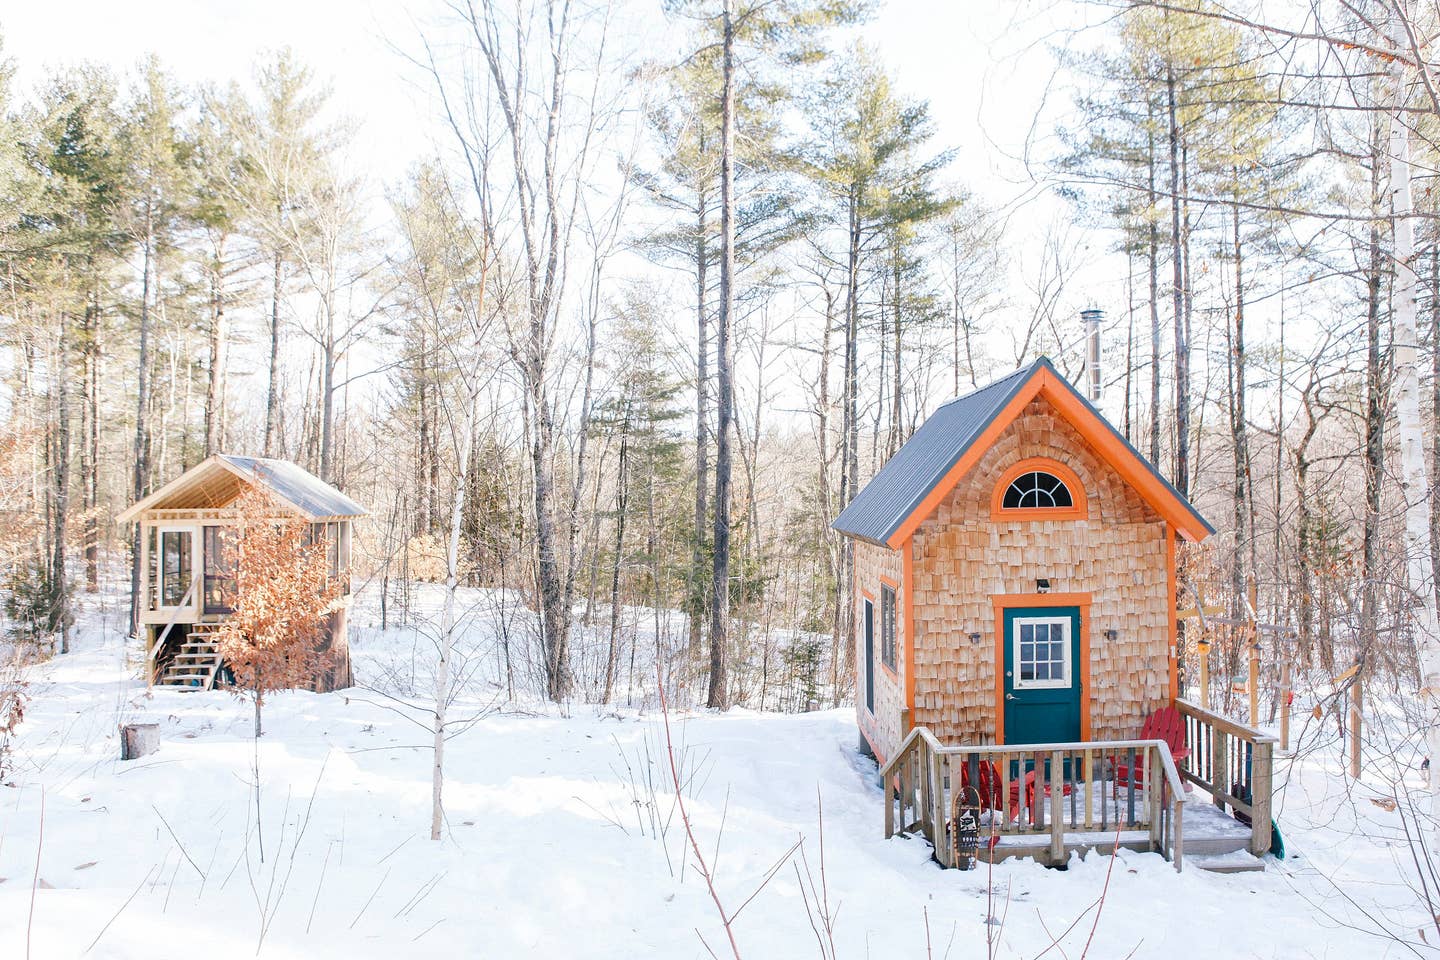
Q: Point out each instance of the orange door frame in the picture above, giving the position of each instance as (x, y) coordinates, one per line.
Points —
(1002, 602)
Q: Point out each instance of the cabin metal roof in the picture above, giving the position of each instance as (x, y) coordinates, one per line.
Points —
(297, 486)
(894, 494)
(217, 481)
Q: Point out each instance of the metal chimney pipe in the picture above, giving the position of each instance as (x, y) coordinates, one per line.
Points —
(1091, 318)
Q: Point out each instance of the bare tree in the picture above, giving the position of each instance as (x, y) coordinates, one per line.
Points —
(524, 121)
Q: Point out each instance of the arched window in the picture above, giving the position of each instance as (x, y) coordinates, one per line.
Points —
(1037, 489)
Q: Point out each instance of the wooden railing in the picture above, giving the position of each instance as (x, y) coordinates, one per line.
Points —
(152, 657)
(1234, 764)
(1041, 792)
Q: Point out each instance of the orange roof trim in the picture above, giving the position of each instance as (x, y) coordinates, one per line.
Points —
(1111, 447)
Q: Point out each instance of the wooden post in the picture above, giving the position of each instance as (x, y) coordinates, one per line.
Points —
(1253, 630)
(1357, 713)
(1253, 683)
(939, 810)
(1092, 789)
(1285, 705)
(1057, 806)
(1203, 649)
(888, 788)
(1219, 763)
(922, 789)
(1260, 782)
(1178, 831)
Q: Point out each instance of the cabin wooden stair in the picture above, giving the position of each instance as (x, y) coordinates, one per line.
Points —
(196, 661)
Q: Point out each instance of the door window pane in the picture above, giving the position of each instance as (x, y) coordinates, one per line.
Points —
(1042, 653)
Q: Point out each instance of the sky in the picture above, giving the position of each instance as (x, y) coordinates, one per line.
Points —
(986, 67)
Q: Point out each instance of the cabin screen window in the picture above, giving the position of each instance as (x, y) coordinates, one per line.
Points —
(1037, 489)
(1042, 655)
(219, 570)
(329, 535)
(175, 563)
(887, 626)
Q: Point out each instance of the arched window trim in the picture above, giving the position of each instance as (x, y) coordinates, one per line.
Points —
(1079, 508)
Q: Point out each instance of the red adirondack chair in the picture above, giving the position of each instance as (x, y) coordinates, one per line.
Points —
(988, 790)
(1164, 724)
(1065, 791)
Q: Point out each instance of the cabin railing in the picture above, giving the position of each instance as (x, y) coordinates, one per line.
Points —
(1234, 764)
(1044, 793)
(153, 655)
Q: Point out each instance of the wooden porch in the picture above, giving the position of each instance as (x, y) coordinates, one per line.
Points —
(1050, 800)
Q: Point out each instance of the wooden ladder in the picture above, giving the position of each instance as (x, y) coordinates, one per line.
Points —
(196, 661)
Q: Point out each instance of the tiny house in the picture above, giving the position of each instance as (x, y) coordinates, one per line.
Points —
(183, 580)
(1014, 585)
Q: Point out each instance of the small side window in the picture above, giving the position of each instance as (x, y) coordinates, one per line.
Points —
(887, 626)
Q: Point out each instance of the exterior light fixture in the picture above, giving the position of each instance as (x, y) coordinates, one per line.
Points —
(1112, 634)
(1042, 585)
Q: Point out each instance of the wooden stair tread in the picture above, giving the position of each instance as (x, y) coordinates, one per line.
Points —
(1237, 861)
(196, 660)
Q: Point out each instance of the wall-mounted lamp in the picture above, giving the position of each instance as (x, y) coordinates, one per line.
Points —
(1112, 634)
(1042, 585)
(974, 638)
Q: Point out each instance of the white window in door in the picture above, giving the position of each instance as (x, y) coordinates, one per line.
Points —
(177, 559)
(1042, 652)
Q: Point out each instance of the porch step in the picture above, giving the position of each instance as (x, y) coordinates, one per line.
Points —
(1236, 861)
(196, 661)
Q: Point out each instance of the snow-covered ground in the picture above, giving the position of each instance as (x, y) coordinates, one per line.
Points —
(562, 840)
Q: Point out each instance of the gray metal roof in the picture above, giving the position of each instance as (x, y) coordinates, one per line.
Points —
(298, 486)
(902, 484)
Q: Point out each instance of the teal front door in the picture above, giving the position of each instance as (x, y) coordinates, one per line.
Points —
(1042, 674)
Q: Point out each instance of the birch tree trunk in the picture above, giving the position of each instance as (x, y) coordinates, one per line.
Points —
(1406, 386)
(272, 390)
(466, 440)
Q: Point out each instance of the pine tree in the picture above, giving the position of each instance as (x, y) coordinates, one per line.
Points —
(159, 168)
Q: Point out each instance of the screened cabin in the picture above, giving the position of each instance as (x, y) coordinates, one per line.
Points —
(1014, 584)
(184, 581)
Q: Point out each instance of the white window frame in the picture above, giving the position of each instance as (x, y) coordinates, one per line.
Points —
(1067, 639)
(196, 562)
